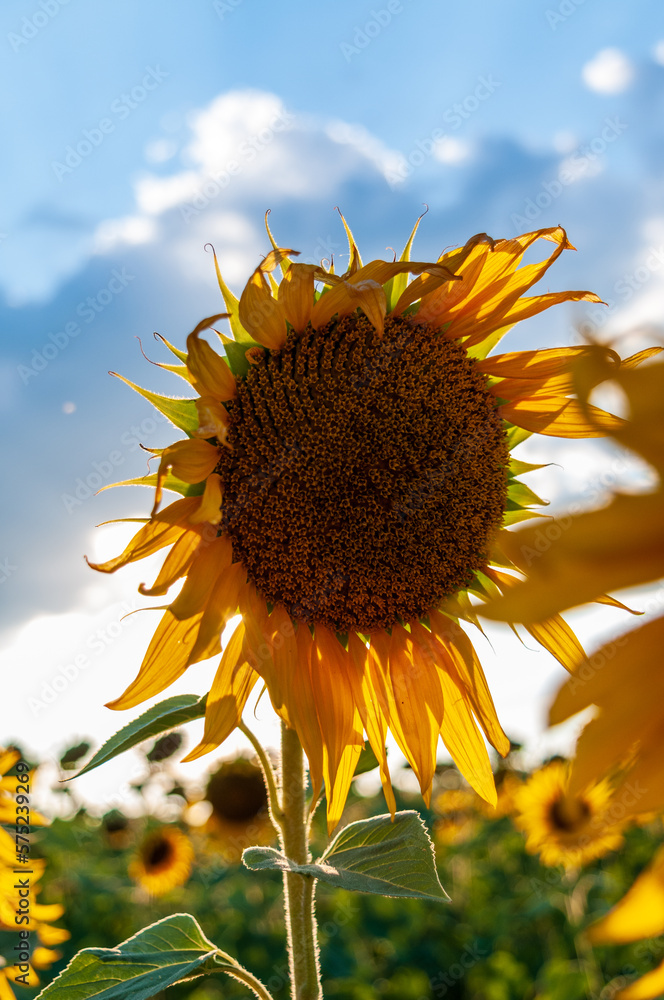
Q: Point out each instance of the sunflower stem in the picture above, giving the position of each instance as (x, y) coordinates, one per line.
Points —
(274, 805)
(298, 889)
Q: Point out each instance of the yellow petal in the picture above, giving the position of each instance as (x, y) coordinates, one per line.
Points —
(461, 651)
(176, 564)
(212, 559)
(648, 987)
(164, 661)
(345, 297)
(213, 419)
(417, 706)
(210, 374)
(640, 913)
(371, 713)
(221, 605)
(191, 461)
(209, 510)
(574, 560)
(296, 294)
(559, 416)
(260, 314)
(165, 528)
(232, 685)
(338, 719)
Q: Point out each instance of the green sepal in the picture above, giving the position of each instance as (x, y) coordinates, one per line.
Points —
(519, 493)
(172, 950)
(236, 355)
(377, 855)
(515, 435)
(397, 285)
(182, 413)
(519, 514)
(156, 721)
(518, 468)
(171, 483)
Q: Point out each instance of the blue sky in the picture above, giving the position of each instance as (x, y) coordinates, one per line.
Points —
(135, 133)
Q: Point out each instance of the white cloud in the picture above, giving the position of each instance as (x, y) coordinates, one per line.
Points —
(130, 231)
(245, 145)
(452, 151)
(609, 72)
(658, 52)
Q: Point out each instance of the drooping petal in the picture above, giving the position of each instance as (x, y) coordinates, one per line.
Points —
(261, 315)
(212, 559)
(164, 529)
(232, 685)
(191, 461)
(338, 718)
(176, 564)
(344, 298)
(296, 294)
(372, 714)
(164, 661)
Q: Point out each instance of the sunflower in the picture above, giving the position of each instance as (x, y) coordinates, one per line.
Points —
(239, 818)
(163, 861)
(344, 487)
(565, 829)
(458, 813)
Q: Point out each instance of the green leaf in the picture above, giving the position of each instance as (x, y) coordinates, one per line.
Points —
(170, 951)
(157, 720)
(367, 761)
(373, 855)
(182, 413)
(236, 354)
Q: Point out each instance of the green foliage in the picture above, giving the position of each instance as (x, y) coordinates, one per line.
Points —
(504, 935)
(381, 855)
(157, 720)
(169, 951)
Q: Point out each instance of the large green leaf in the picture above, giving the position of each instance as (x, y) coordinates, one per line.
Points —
(378, 855)
(157, 720)
(168, 952)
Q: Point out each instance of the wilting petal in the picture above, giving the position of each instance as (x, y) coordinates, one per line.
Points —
(296, 294)
(176, 564)
(164, 529)
(191, 461)
(210, 373)
(260, 314)
(213, 558)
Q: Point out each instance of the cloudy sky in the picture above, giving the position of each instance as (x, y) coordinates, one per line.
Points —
(134, 134)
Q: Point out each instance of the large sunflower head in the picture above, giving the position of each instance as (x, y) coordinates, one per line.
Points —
(344, 485)
(565, 828)
(163, 860)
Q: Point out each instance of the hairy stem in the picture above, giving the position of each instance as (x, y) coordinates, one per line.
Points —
(298, 889)
(274, 805)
